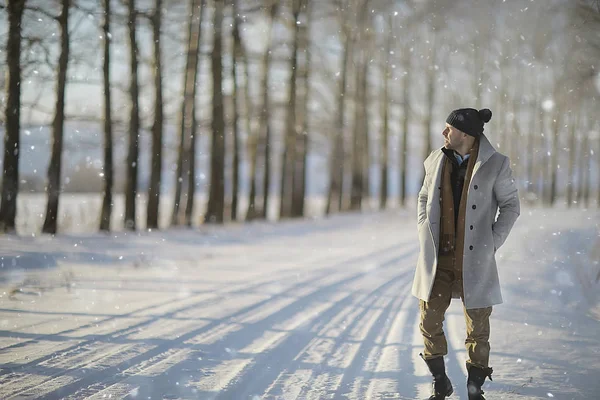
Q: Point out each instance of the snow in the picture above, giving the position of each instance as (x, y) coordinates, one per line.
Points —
(313, 309)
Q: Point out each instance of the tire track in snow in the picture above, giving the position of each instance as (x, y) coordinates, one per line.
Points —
(256, 379)
(80, 379)
(342, 316)
(387, 369)
(60, 336)
(44, 373)
(354, 384)
(225, 293)
(165, 385)
(333, 376)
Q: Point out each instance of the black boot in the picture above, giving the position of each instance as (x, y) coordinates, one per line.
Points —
(442, 387)
(475, 381)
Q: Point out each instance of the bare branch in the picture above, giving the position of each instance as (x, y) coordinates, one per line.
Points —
(40, 10)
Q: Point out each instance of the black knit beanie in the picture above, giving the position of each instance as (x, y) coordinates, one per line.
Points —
(469, 120)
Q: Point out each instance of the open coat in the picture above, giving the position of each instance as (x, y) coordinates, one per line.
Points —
(492, 189)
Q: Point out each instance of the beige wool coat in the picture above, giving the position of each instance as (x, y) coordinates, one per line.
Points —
(492, 209)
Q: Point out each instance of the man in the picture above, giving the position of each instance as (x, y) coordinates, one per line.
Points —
(466, 183)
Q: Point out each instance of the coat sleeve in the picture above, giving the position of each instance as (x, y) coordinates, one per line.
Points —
(507, 196)
(422, 198)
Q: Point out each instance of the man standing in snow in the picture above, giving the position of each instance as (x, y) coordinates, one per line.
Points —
(466, 183)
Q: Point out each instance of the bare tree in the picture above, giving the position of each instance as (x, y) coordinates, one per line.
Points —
(191, 173)
(54, 168)
(134, 122)
(10, 175)
(187, 122)
(152, 210)
(237, 56)
(406, 101)
(336, 157)
(360, 155)
(356, 191)
(299, 193)
(108, 172)
(289, 151)
(533, 113)
(264, 130)
(385, 111)
(572, 149)
(557, 121)
(252, 143)
(216, 199)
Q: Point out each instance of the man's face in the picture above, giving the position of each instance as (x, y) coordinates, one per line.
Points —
(453, 138)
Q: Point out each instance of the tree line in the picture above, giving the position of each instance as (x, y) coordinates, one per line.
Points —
(364, 84)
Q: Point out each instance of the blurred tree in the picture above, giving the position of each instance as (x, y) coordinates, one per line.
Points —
(574, 126)
(303, 142)
(187, 117)
(288, 173)
(263, 136)
(134, 122)
(216, 199)
(360, 148)
(237, 61)
(108, 169)
(10, 164)
(152, 212)
(337, 161)
(191, 172)
(54, 167)
(406, 62)
(385, 113)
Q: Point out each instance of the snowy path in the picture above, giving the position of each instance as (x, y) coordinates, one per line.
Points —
(300, 310)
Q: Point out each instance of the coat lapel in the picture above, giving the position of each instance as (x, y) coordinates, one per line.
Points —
(486, 150)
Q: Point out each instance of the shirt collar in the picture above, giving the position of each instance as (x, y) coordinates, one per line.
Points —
(460, 158)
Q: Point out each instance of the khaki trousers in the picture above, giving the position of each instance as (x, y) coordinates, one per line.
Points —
(432, 317)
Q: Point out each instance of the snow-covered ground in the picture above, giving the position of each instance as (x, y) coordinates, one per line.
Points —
(314, 309)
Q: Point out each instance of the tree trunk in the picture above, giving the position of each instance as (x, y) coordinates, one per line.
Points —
(289, 151)
(585, 169)
(406, 57)
(108, 172)
(134, 124)
(541, 150)
(531, 135)
(10, 174)
(54, 168)
(299, 193)
(337, 159)
(556, 127)
(356, 192)
(187, 104)
(157, 128)
(237, 56)
(191, 151)
(364, 129)
(598, 170)
(252, 142)
(216, 200)
(573, 128)
(265, 126)
(385, 104)
(581, 162)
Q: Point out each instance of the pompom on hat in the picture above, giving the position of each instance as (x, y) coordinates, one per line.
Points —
(469, 120)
